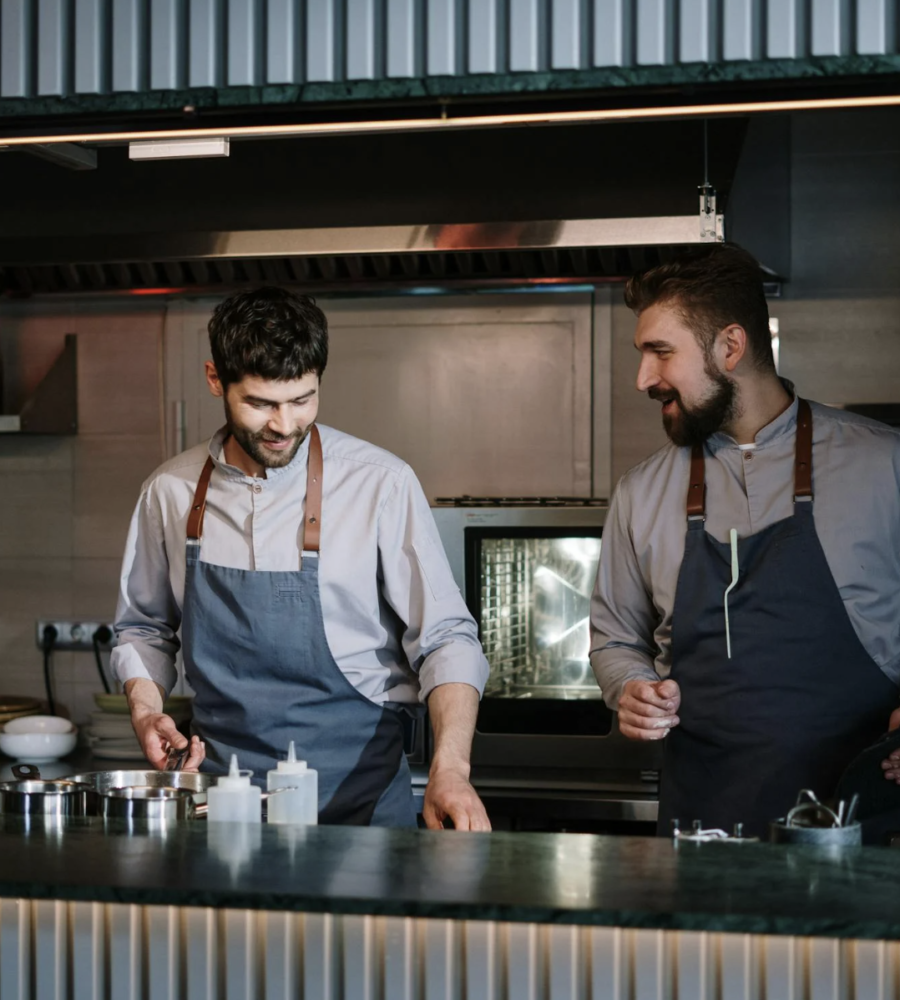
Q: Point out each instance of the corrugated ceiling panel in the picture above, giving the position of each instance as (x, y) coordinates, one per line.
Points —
(91, 39)
(53, 47)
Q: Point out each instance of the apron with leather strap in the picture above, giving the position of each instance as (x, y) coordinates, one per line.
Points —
(256, 655)
(800, 696)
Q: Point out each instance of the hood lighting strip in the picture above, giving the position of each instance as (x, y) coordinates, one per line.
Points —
(462, 122)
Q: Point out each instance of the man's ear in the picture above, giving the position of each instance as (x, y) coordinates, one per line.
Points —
(212, 379)
(733, 345)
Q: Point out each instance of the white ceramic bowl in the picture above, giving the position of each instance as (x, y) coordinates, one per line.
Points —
(37, 748)
(39, 724)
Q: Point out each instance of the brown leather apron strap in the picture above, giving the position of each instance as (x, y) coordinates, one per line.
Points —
(312, 521)
(198, 507)
(803, 452)
(696, 495)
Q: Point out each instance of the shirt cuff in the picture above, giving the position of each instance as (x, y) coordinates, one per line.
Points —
(134, 661)
(612, 677)
(455, 663)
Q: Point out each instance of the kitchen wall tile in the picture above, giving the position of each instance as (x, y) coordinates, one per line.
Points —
(119, 384)
(95, 584)
(26, 453)
(30, 342)
(36, 515)
(109, 471)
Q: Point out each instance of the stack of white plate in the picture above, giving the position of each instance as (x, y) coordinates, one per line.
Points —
(109, 732)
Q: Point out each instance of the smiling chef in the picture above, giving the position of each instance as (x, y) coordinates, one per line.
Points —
(748, 595)
(307, 576)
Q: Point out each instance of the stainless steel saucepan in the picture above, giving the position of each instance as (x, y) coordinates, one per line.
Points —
(103, 781)
(35, 797)
(145, 804)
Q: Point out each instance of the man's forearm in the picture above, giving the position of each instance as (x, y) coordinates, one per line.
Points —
(144, 697)
(453, 709)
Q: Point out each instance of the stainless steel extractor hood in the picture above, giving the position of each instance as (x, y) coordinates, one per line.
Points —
(458, 253)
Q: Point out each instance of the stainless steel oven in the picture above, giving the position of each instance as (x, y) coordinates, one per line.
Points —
(527, 569)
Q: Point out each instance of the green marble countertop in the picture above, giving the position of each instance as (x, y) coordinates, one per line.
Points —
(546, 878)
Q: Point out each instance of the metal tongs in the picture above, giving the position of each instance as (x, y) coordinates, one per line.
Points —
(175, 757)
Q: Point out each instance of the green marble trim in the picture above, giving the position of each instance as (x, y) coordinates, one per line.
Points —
(449, 88)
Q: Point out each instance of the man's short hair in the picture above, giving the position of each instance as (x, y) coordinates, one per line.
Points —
(712, 288)
(271, 333)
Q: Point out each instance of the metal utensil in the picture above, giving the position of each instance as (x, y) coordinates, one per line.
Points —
(175, 757)
(145, 804)
(46, 798)
(193, 781)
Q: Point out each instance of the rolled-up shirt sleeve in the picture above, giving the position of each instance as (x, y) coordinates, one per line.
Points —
(439, 637)
(623, 617)
(147, 616)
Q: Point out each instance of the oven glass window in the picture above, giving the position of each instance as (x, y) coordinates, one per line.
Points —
(534, 612)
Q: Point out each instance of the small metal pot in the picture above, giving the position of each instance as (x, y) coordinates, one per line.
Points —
(822, 836)
(46, 798)
(146, 804)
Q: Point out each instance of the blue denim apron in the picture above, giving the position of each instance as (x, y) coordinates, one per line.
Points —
(256, 655)
(800, 696)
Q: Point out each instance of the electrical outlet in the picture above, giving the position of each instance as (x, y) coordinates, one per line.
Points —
(77, 635)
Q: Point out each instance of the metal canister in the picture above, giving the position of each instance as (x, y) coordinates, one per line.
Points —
(46, 798)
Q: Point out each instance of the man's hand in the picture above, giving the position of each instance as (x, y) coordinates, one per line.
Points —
(648, 709)
(157, 731)
(449, 795)
(891, 763)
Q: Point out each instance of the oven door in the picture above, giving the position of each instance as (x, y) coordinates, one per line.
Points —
(529, 589)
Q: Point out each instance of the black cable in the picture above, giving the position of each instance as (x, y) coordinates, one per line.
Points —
(49, 638)
(101, 635)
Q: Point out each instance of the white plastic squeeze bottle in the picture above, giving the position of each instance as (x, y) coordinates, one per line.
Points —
(233, 799)
(301, 803)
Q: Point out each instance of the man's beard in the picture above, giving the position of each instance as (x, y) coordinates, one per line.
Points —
(251, 442)
(693, 426)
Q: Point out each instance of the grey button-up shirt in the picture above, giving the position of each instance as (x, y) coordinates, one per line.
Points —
(856, 485)
(395, 620)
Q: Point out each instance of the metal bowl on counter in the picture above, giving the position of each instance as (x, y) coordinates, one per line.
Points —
(145, 804)
(35, 797)
(104, 781)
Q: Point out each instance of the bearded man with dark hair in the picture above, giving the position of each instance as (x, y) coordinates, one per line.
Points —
(749, 584)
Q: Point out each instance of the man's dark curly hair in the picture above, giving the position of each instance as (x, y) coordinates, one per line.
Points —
(271, 333)
(711, 288)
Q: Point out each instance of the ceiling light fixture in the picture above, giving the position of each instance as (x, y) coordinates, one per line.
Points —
(462, 122)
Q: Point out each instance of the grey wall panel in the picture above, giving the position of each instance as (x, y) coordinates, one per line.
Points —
(16, 48)
(364, 39)
(485, 36)
(403, 33)
(129, 34)
(831, 27)
(876, 26)
(246, 47)
(567, 31)
(168, 36)
(786, 29)
(284, 42)
(441, 38)
(56, 47)
(742, 29)
(527, 36)
(655, 32)
(54, 39)
(206, 53)
(612, 32)
(698, 31)
(92, 20)
(321, 40)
